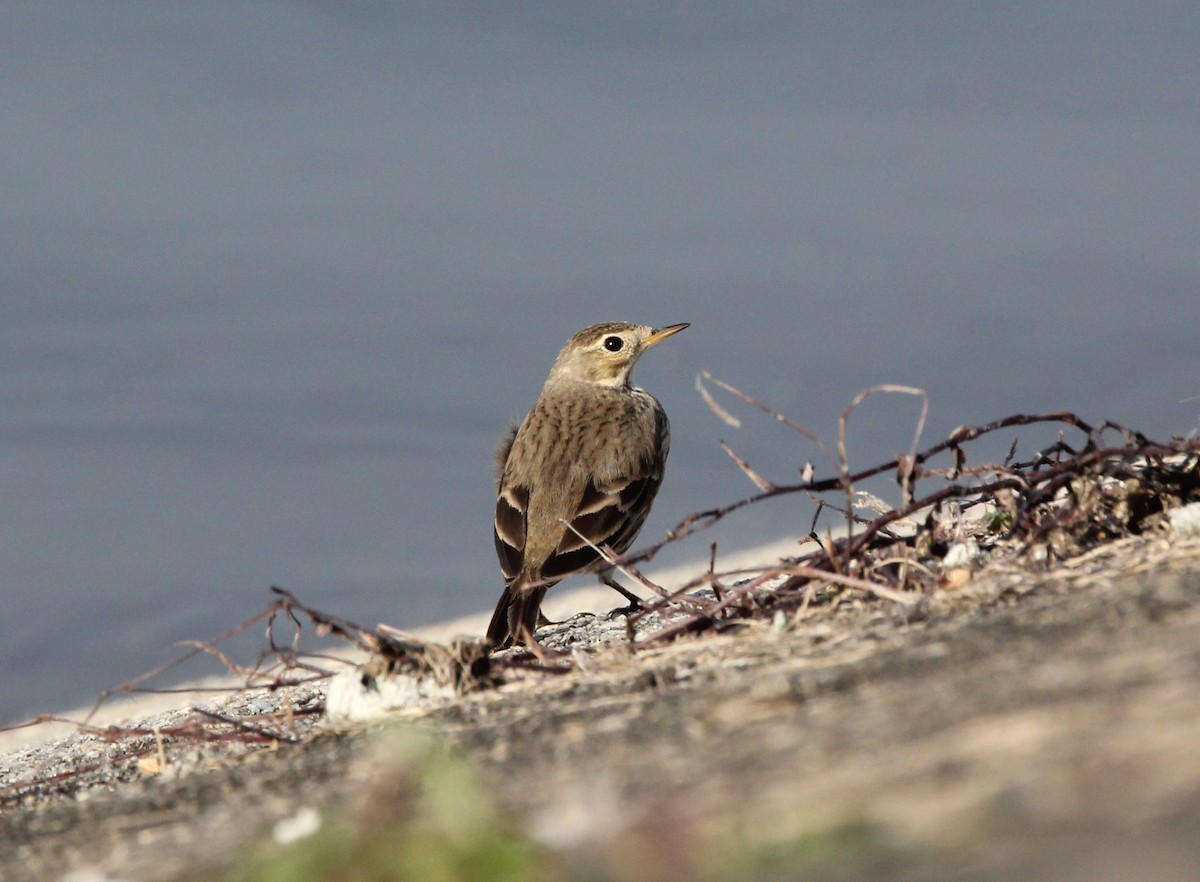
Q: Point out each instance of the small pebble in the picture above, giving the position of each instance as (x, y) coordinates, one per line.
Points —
(301, 825)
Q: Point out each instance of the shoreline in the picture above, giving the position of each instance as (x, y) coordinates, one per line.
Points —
(561, 603)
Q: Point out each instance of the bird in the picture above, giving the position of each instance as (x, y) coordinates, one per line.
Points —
(578, 474)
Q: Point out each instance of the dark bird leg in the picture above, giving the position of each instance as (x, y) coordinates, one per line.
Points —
(635, 602)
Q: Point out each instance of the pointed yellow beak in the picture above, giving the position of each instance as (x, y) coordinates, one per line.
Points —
(661, 334)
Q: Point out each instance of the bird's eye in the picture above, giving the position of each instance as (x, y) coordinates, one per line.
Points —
(613, 343)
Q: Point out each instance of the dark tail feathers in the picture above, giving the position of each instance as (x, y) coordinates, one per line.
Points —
(516, 616)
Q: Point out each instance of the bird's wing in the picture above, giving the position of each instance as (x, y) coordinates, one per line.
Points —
(511, 505)
(611, 514)
(608, 514)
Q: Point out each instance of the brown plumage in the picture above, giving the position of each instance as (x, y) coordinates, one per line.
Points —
(590, 453)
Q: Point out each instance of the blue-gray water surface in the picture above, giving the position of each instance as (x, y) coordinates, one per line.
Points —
(275, 276)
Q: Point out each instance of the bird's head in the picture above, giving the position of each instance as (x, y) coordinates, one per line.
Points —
(605, 354)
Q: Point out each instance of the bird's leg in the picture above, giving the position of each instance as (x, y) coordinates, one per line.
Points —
(635, 602)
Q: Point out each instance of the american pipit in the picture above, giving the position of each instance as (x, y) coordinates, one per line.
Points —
(579, 472)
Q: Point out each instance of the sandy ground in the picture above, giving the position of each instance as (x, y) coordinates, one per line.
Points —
(1036, 724)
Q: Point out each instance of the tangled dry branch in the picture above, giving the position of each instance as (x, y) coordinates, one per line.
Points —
(1061, 501)
(1064, 500)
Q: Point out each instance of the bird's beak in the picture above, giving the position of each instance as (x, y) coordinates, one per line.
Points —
(660, 334)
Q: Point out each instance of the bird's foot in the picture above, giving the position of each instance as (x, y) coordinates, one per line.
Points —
(630, 608)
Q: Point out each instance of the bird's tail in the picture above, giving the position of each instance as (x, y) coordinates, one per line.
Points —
(516, 616)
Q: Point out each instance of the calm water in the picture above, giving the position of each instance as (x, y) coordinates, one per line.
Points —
(276, 275)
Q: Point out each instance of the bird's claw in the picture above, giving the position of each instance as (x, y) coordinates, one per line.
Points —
(633, 606)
